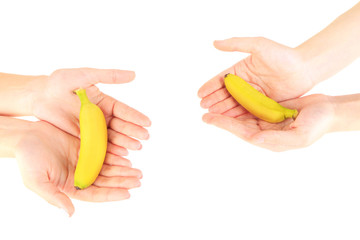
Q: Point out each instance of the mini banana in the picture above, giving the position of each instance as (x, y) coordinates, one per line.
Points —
(255, 102)
(93, 142)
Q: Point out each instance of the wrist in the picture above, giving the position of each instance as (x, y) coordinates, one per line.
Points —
(346, 113)
(35, 90)
(18, 93)
(333, 48)
(12, 130)
(311, 63)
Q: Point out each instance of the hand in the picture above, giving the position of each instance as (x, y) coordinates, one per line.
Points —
(56, 103)
(273, 69)
(47, 160)
(316, 117)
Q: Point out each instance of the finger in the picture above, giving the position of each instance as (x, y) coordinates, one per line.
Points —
(129, 114)
(120, 171)
(224, 105)
(117, 182)
(112, 159)
(86, 77)
(117, 150)
(232, 125)
(67, 122)
(111, 76)
(129, 129)
(101, 194)
(215, 83)
(52, 195)
(214, 98)
(235, 112)
(123, 140)
(240, 44)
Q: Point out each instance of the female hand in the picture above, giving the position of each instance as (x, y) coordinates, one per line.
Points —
(284, 73)
(47, 158)
(316, 117)
(275, 70)
(55, 102)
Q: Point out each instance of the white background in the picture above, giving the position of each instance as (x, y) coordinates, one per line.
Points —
(199, 182)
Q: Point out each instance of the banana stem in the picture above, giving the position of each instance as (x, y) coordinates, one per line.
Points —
(82, 95)
(291, 113)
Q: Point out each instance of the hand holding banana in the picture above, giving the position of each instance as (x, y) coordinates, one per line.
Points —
(93, 128)
(255, 102)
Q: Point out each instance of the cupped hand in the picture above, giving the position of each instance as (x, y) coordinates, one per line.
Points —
(316, 117)
(55, 102)
(47, 158)
(274, 69)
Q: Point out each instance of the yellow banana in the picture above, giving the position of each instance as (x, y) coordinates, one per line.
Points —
(255, 102)
(93, 142)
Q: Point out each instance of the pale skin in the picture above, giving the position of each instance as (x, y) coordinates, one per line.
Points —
(285, 74)
(52, 99)
(280, 72)
(47, 151)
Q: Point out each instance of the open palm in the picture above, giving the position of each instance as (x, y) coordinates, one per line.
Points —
(56, 103)
(273, 69)
(314, 120)
(47, 158)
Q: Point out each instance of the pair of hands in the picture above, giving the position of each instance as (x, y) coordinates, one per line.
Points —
(47, 154)
(280, 73)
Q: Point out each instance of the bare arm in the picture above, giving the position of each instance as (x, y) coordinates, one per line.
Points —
(347, 113)
(17, 92)
(11, 132)
(334, 47)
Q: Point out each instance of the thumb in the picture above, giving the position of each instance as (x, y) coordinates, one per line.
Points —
(86, 77)
(229, 124)
(241, 44)
(112, 76)
(54, 196)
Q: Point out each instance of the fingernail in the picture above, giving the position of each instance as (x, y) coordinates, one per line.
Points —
(203, 104)
(206, 118)
(139, 147)
(147, 123)
(217, 42)
(127, 196)
(146, 136)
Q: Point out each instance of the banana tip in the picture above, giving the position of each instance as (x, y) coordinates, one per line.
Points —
(76, 91)
(296, 113)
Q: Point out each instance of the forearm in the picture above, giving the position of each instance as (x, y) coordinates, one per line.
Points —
(17, 93)
(11, 131)
(346, 112)
(333, 48)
